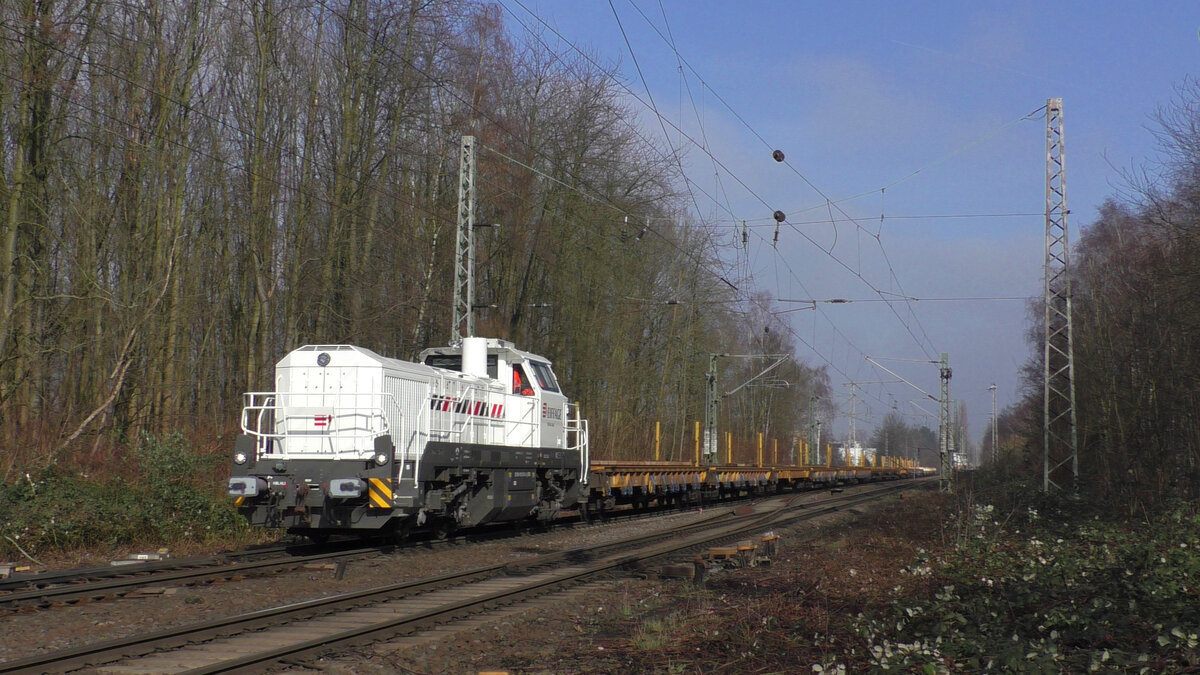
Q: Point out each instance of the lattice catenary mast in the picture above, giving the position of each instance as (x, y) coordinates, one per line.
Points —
(1060, 449)
(464, 250)
(945, 430)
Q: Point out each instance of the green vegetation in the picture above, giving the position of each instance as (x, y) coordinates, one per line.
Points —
(990, 579)
(172, 499)
(1048, 587)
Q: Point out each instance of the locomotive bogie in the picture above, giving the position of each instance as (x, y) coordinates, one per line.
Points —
(480, 484)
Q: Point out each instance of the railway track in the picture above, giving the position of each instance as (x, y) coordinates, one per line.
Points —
(66, 587)
(90, 585)
(251, 642)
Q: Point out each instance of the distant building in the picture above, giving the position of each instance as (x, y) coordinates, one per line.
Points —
(854, 454)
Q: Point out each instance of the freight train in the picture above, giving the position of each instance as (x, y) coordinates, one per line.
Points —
(351, 442)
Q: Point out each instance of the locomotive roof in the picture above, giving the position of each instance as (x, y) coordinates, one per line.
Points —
(341, 353)
(494, 346)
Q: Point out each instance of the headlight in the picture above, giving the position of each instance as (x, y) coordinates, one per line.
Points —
(239, 458)
(344, 488)
(381, 459)
(246, 486)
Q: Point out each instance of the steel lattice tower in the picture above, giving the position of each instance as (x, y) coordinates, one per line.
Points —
(464, 251)
(1060, 450)
(945, 423)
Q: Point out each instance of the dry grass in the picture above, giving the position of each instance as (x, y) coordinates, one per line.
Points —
(787, 617)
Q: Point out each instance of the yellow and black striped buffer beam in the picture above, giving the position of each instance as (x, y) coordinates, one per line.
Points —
(380, 493)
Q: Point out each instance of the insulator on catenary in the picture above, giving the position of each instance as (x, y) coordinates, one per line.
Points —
(777, 155)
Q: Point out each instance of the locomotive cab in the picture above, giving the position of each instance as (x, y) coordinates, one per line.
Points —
(534, 388)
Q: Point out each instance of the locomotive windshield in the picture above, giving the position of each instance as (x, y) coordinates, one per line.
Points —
(545, 377)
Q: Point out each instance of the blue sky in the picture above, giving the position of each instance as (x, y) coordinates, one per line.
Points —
(927, 99)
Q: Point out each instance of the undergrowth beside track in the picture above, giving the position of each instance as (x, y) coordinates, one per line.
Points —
(167, 495)
(991, 579)
(1043, 585)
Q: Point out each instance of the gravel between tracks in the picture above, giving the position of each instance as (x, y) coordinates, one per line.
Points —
(787, 617)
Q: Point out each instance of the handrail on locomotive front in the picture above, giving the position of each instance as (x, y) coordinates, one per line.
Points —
(365, 421)
(579, 427)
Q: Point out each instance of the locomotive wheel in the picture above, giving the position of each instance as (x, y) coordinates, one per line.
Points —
(444, 530)
(399, 534)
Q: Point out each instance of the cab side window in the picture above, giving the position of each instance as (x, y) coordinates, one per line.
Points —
(521, 384)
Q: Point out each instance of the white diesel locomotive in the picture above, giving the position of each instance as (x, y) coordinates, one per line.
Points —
(354, 442)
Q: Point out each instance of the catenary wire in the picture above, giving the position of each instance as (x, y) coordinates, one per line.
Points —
(752, 192)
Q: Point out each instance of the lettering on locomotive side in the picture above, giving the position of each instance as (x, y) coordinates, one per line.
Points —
(551, 413)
